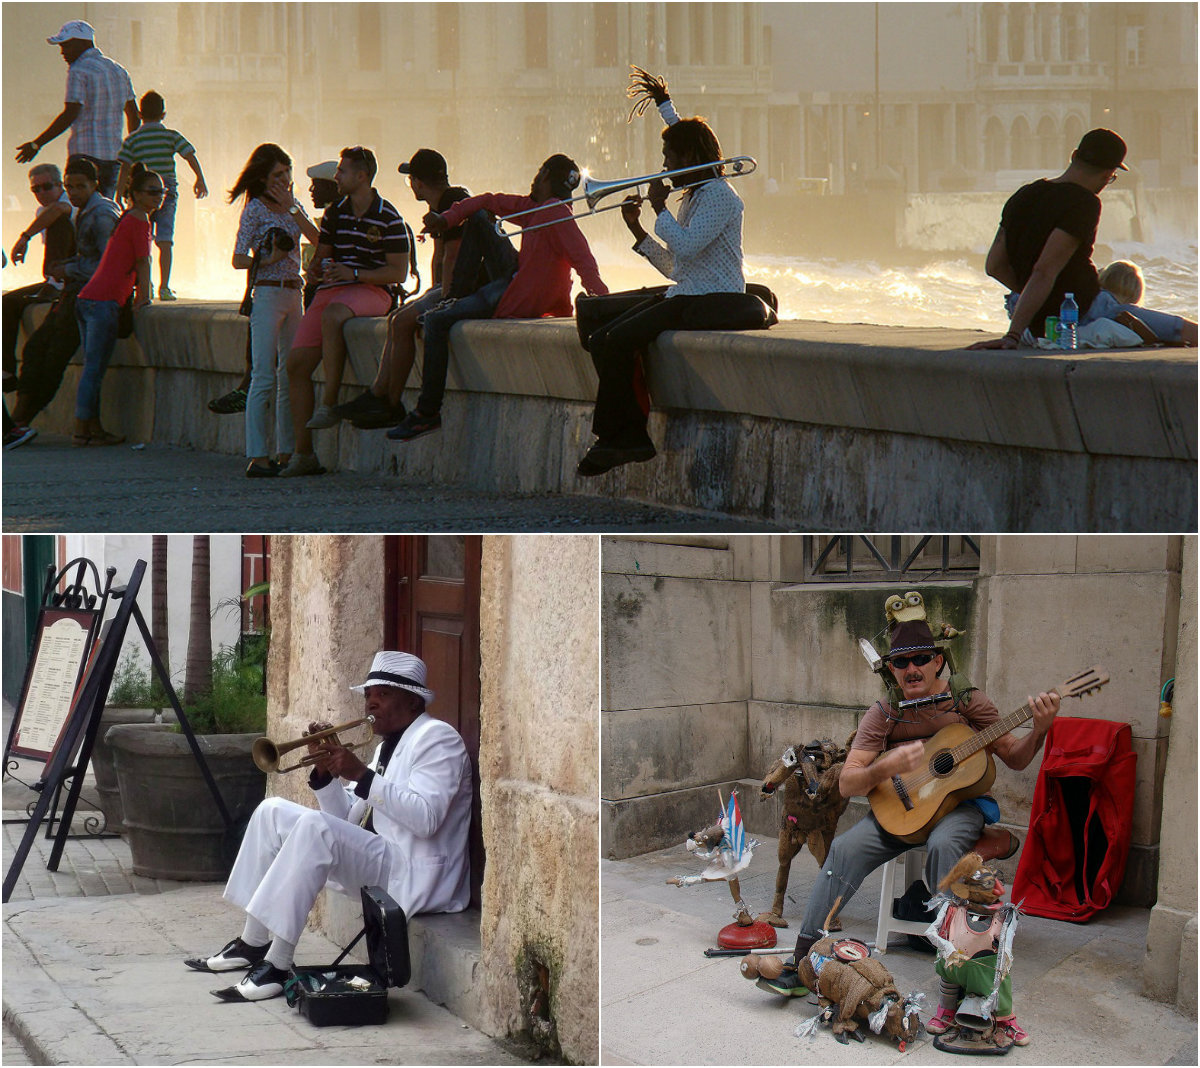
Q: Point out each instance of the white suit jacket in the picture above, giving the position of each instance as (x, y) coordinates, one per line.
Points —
(422, 807)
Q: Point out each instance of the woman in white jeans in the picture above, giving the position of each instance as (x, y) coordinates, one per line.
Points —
(270, 211)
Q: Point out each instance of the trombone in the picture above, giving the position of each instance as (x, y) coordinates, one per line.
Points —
(267, 754)
(594, 190)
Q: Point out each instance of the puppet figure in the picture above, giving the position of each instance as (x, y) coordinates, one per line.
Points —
(729, 852)
(812, 806)
(853, 986)
(973, 935)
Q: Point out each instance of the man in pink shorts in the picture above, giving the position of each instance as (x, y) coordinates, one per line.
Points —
(363, 251)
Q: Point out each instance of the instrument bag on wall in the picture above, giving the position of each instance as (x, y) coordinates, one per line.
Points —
(1081, 822)
(323, 993)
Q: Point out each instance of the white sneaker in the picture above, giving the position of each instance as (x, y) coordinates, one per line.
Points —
(323, 418)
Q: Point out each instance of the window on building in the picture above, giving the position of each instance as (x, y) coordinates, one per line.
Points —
(749, 36)
(888, 558)
(370, 37)
(1018, 18)
(677, 17)
(248, 27)
(135, 42)
(537, 36)
(447, 37)
(1134, 45)
(606, 35)
(696, 15)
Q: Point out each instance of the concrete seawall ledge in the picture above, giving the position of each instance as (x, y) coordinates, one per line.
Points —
(819, 425)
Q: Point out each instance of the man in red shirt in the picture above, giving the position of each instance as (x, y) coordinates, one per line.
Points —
(540, 288)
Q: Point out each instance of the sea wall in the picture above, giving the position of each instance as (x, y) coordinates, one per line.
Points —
(811, 425)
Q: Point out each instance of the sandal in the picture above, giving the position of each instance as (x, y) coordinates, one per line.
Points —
(79, 440)
(103, 437)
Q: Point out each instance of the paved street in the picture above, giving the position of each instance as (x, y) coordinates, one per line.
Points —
(1076, 987)
(50, 486)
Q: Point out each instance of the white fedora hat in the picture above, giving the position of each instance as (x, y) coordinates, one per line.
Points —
(403, 670)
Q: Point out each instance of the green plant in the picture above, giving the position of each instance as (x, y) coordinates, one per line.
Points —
(131, 684)
(236, 704)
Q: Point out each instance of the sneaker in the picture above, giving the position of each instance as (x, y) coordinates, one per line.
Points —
(230, 404)
(323, 418)
(381, 420)
(364, 407)
(787, 984)
(1008, 1026)
(941, 1021)
(18, 436)
(165, 294)
(299, 466)
(415, 425)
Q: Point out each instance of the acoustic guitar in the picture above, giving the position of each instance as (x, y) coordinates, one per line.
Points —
(957, 767)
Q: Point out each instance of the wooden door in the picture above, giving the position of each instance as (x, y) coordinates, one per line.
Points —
(431, 609)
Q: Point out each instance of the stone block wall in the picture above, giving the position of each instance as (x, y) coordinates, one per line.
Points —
(538, 767)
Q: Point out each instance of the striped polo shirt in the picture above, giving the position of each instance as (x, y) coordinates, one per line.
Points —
(365, 241)
(153, 145)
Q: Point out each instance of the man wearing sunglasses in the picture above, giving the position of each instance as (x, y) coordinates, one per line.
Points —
(891, 742)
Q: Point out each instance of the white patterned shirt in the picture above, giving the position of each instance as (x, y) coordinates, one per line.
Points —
(103, 87)
(703, 247)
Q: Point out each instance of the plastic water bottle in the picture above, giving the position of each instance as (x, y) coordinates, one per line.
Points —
(1068, 322)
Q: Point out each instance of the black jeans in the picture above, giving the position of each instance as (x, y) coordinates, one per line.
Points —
(483, 256)
(47, 353)
(15, 303)
(619, 420)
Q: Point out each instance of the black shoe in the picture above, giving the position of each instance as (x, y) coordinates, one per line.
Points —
(270, 469)
(230, 404)
(602, 458)
(366, 403)
(415, 425)
(263, 981)
(237, 955)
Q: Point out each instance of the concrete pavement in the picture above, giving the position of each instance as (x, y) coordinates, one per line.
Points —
(50, 486)
(93, 975)
(1075, 987)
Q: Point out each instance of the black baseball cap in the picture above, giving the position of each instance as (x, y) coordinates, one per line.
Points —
(426, 164)
(1103, 149)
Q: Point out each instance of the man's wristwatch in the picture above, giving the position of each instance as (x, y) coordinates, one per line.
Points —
(294, 209)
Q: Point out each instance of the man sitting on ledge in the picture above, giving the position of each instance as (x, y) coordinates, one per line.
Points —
(401, 824)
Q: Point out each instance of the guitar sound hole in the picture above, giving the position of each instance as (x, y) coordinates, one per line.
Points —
(943, 763)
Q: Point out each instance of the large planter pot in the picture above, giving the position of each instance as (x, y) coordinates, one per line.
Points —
(173, 824)
(109, 794)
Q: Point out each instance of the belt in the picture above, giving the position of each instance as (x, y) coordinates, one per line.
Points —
(282, 283)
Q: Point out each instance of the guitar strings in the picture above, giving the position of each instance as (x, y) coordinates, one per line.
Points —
(922, 778)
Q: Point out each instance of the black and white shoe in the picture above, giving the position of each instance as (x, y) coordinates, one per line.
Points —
(263, 981)
(237, 956)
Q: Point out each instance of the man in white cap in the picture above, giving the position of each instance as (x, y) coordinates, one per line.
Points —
(99, 90)
(401, 824)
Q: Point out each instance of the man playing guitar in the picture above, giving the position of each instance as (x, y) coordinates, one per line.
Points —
(889, 744)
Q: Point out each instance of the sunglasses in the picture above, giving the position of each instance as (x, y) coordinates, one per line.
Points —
(43, 187)
(902, 662)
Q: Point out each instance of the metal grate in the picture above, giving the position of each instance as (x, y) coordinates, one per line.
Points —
(887, 558)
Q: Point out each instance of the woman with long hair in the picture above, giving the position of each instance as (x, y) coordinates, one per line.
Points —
(124, 270)
(268, 245)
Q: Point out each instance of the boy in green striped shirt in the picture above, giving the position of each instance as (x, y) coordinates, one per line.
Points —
(155, 146)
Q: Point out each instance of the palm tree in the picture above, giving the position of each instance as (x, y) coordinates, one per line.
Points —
(198, 673)
(159, 630)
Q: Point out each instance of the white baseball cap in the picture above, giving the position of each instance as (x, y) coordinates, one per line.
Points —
(75, 30)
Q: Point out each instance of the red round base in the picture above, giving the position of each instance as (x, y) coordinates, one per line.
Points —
(756, 936)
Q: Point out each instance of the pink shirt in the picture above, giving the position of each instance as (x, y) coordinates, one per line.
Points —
(114, 276)
(542, 284)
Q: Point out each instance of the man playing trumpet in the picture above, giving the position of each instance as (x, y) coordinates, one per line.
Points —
(701, 251)
(401, 824)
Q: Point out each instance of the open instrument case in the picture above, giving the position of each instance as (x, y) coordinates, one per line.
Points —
(357, 993)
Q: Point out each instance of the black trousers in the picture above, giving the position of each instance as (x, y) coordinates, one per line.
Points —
(619, 420)
(48, 351)
(15, 302)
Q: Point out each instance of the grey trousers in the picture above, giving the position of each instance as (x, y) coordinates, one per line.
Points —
(866, 846)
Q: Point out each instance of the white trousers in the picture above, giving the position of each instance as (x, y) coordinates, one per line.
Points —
(290, 853)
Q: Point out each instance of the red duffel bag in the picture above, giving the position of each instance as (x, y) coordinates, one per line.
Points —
(1081, 823)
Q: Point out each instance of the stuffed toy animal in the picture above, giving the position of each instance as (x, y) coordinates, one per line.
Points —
(812, 806)
(852, 986)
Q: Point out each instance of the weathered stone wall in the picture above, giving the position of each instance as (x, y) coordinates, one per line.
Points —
(1171, 943)
(809, 424)
(538, 764)
(716, 658)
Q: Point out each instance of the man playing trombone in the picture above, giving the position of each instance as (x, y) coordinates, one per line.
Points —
(401, 824)
(701, 251)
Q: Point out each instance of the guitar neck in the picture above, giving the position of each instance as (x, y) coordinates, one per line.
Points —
(998, 729)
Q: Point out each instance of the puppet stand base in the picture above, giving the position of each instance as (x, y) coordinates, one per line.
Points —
(756, 936)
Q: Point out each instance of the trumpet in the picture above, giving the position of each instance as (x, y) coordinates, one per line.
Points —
(595, 190)
(267, 754)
